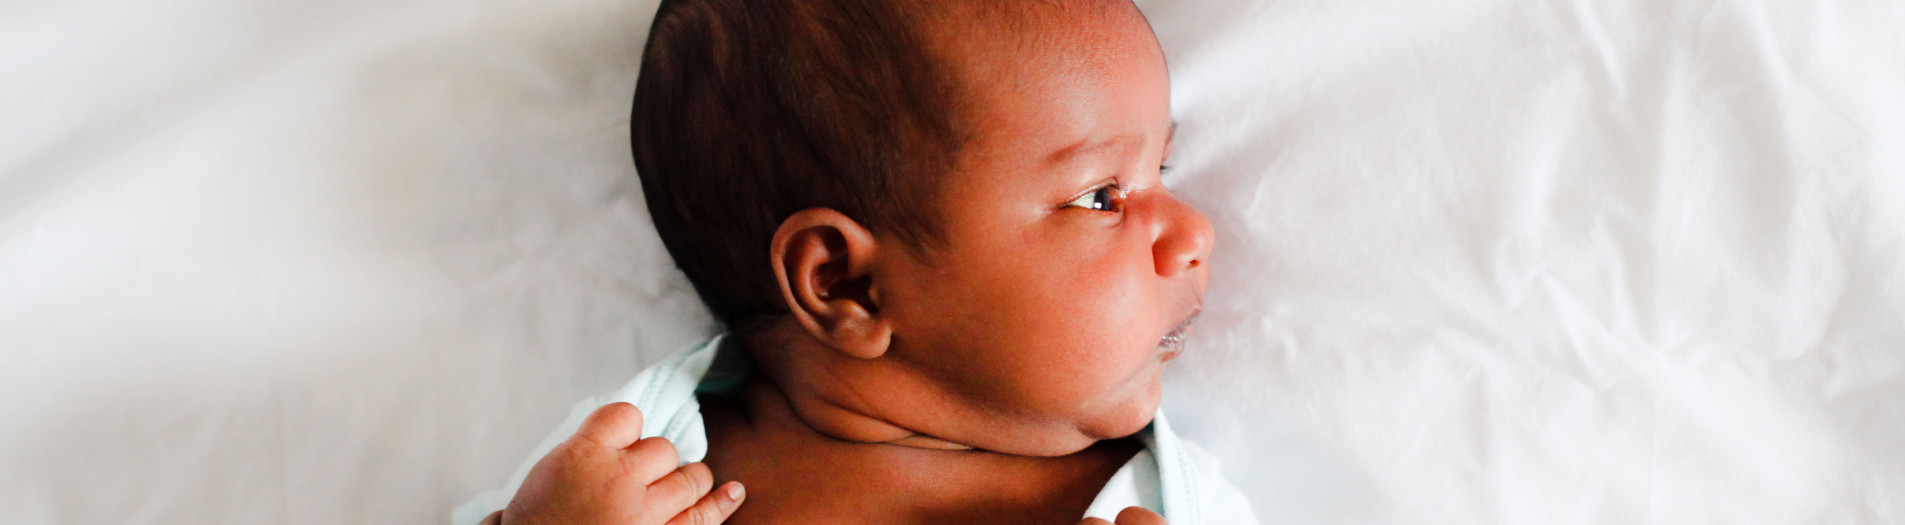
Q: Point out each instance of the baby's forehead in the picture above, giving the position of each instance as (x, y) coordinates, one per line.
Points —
(1007, 43)
(1031, 65)
(990, 28)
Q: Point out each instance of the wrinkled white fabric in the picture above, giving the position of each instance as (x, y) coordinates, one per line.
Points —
(1477, 261)
(1170, 476)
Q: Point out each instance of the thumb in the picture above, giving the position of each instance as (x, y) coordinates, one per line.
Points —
(615, 425)
(1139, 516)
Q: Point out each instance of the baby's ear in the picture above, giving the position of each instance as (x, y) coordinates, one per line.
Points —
(824, 262)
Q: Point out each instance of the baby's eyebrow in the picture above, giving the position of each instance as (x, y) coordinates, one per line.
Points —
(1092, 145)
(1089, 146)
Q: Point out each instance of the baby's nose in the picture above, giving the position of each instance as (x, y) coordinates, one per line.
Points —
(1184, 238)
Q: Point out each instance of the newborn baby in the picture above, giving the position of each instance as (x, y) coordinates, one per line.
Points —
(950, 273)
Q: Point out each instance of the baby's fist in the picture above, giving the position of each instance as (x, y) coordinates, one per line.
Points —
(606, 474)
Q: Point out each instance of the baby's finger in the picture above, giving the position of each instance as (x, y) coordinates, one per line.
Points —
(714, 507)
(680, 489)
(650, 459)
(615, 425)
(1139, 516)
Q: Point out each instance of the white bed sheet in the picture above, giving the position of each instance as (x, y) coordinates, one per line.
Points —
(1480, 261)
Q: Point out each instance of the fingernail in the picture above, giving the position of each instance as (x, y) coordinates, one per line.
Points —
(735, 491)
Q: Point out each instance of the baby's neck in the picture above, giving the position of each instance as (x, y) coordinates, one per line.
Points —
(796, 473)
(906, 397)
(762, 407)
(834, 407)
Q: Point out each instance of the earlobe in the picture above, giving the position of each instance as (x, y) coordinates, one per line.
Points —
(824, 261)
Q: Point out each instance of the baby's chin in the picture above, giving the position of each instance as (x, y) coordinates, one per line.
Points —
(1121, 419)
(1129, 415)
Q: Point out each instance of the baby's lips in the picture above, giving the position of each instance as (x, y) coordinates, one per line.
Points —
(1184, 328)
(1172, 344)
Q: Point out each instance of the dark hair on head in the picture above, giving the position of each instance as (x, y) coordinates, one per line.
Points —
(747, 111)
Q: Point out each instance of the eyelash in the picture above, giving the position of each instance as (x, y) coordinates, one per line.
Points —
(1113, 195)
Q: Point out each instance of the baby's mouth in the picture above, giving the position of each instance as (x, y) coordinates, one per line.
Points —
(1173, 343)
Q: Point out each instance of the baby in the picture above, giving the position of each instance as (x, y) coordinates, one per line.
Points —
(951, 275)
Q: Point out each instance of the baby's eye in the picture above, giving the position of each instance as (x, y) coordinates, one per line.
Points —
(1100, 199)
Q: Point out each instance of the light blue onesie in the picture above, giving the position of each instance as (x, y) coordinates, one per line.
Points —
(1170, 476)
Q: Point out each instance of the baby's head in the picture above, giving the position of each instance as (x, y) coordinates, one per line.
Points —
(928, 218)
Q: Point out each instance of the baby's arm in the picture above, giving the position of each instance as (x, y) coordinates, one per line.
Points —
(604, 474)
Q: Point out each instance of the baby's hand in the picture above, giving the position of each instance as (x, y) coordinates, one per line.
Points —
(603, 475)
(1130, 516)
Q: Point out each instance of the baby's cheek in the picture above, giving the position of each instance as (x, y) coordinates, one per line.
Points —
(1068, 334)
(1090, 368)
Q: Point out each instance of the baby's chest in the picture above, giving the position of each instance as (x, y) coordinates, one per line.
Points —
(822, 486)
(794, 476)
(772, 501)
(820, 511)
